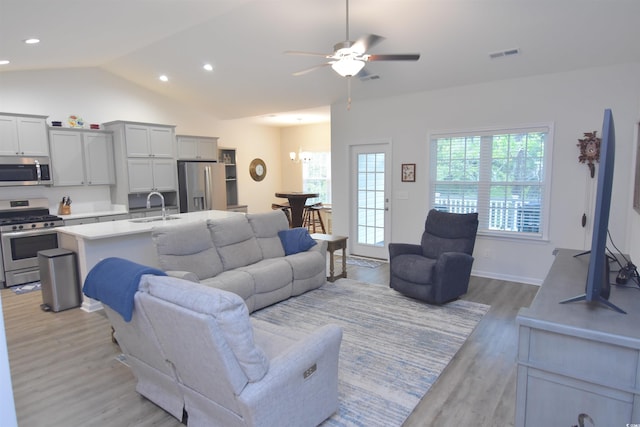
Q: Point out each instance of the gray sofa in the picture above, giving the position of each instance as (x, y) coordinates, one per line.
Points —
(242, 254)
(178, 342)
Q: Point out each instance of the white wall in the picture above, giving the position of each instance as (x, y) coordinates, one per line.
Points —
(98, 96)
(573, 101)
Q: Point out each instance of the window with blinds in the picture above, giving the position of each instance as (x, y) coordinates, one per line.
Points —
(316, 176)
(502, 174)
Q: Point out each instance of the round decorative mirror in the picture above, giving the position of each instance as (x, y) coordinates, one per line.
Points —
(257, 169)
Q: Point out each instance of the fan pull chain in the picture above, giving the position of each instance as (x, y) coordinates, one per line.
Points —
(349, 93)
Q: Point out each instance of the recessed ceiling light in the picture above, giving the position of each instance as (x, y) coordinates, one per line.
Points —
(164, 78)
(208, 67)
(32, 41)
(4, 61)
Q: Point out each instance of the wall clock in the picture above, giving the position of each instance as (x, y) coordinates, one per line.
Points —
(589, 150)
(257, 169)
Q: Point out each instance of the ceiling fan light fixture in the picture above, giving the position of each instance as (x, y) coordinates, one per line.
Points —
(347, 66)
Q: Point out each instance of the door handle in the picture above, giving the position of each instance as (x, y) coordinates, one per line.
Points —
(207, 187)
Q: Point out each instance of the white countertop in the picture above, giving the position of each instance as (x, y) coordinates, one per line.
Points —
(105, 230)
(116, 210)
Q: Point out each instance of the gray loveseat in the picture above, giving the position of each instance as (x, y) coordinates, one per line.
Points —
(241, 254)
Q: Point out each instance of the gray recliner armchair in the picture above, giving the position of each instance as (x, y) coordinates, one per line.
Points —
(438, 269)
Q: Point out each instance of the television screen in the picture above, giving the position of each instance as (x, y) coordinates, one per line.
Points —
(598, 286)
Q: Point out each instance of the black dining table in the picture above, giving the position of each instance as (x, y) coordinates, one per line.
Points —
(297, 201)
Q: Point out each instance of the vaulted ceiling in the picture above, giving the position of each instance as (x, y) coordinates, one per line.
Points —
(244, 41)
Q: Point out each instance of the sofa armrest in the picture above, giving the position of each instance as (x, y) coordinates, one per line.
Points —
(452, 273)
(185, 275)
(320, 247)
(305, 372)
(396, 249)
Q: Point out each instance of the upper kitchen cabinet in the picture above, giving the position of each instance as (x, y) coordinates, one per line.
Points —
(149, 141)
(145, 160)
(197, 147)
(81, 157)
(151, 175)
(23, 135)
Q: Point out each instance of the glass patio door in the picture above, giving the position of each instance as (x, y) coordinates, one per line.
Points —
(370, 174)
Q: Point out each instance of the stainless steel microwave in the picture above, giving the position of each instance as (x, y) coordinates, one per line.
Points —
(24, 171)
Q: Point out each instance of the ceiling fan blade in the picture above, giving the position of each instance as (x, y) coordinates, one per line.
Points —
(366, 42)
(394, 57)
(301, 52)
(308, 70)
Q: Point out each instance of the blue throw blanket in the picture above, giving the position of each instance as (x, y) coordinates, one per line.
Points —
(114, 282)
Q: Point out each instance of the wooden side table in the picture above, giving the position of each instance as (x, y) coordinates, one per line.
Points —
(333, 243)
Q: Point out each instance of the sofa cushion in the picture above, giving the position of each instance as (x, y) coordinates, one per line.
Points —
(187, 247)
(413, 268)
(269, 274)
(296, 240)
(266, 227)
(228, 310)
(236, 281)
(234, 239)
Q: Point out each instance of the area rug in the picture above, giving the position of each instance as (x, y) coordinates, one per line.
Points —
(29, 287)
(361, 262)
(393, 348)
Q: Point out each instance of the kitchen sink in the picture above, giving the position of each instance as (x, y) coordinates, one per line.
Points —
(153, 219)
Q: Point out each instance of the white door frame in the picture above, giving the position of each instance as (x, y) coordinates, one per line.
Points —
(362, 248)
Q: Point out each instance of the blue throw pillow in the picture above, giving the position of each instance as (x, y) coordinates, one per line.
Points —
(295, 240)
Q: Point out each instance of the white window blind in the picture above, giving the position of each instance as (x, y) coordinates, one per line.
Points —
(501, 174)
(316, 176)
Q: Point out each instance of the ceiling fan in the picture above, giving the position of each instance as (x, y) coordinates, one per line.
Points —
(348, 58)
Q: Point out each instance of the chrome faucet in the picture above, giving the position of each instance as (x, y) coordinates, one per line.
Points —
(155, 193)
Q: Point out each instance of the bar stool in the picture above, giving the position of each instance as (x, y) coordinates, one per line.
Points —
(284, 208)
(312, 218)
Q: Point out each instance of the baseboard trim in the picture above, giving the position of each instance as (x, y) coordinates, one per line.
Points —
(507, 277)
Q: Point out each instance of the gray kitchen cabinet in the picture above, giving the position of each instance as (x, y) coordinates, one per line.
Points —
(197, 147)
(80, 221)
(23, 135)
(145, 161)
(149, 141)
(81, 157)
(66, 157)
(151, 175)
(116, 217)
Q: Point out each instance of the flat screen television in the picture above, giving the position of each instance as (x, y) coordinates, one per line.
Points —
(598, 285)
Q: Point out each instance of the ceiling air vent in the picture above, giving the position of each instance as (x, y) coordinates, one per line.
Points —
(369, 77)
(503, 53)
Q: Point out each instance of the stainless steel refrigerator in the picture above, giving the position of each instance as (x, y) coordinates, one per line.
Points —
(201, 186)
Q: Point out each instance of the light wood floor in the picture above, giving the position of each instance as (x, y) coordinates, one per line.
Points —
(65, 373)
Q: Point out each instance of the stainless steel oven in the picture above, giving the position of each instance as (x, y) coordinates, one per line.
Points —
(26, 227)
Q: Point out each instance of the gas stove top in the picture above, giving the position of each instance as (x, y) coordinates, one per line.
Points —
(28, 214)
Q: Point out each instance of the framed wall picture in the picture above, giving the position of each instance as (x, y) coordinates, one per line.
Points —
(408, 172)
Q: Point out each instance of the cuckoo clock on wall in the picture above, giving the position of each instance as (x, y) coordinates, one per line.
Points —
(589, 150)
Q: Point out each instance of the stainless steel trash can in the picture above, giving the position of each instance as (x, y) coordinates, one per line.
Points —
(59, 279)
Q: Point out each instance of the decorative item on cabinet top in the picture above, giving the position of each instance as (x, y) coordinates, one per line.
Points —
(75, 121)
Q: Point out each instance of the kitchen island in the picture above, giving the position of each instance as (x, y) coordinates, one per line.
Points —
(129, 239)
